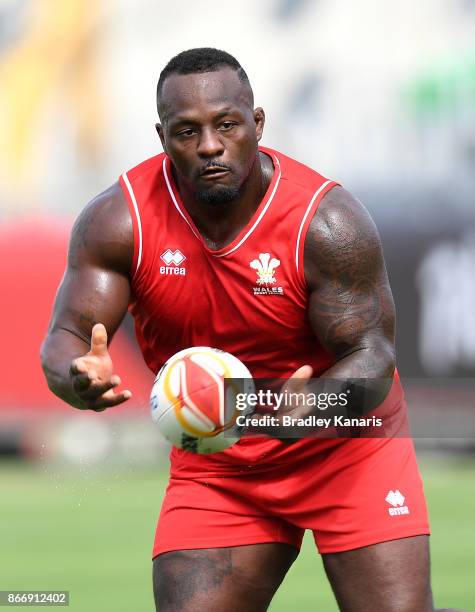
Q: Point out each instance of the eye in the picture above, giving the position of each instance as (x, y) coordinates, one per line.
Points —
(186, 133)
(226, 126)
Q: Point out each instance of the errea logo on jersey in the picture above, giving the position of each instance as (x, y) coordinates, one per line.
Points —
(396, 499)
(172, 259)
(265, 266)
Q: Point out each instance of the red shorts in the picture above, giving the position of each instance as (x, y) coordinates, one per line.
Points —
(359, 492)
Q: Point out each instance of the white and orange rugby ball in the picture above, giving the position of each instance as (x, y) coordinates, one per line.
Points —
(193, 399)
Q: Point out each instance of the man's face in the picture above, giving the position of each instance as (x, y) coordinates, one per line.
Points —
(210, 132)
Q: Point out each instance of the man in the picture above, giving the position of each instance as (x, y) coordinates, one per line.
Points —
(180, 238)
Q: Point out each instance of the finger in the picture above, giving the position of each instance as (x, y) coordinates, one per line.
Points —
(108, 402)
(94, 389)
(299, 379)
(81, 367)
(81, 381)
(111, 394)
(99, 340)
(77, 367)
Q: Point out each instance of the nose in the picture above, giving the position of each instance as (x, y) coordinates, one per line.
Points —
(210, 144)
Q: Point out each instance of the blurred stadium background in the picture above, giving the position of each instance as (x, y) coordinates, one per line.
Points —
(378, 95)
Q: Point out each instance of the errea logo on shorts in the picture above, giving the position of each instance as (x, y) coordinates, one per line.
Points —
(172, 259)
(265, 266)
(396, 500)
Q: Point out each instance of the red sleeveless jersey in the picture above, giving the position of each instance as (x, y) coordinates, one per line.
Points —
(248, 298)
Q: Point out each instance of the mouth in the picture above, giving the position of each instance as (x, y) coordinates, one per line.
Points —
(214, 172)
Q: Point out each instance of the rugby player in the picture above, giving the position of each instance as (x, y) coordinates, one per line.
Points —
(222, 242)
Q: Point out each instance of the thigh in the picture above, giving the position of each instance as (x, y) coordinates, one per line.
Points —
(235, 579)
(391, 576)
(218, 513)
(370, 492)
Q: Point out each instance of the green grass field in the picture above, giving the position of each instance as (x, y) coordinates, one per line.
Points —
(91, 532)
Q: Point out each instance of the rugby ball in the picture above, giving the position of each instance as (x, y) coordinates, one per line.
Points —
(193, 399)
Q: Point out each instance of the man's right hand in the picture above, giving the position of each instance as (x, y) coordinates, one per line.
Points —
(93, 378)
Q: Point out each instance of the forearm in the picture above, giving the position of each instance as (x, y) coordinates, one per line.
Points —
(356, 384)
(367, 375)
(59, 350)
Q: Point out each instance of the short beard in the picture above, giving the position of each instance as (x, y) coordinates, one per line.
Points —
(218, 195)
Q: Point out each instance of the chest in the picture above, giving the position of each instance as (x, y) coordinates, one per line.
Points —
(256, 286)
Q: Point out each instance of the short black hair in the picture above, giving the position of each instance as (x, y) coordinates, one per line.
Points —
(201, 59)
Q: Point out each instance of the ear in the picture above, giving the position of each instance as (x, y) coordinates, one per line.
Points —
(161, 135)
(260, 119)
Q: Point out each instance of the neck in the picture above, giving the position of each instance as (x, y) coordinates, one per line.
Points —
(219, 225)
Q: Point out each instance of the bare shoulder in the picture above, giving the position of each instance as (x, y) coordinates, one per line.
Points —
(342, 239)
(103, 234)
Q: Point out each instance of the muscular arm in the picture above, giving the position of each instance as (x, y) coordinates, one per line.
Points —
(351, 308)
(95, 288)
